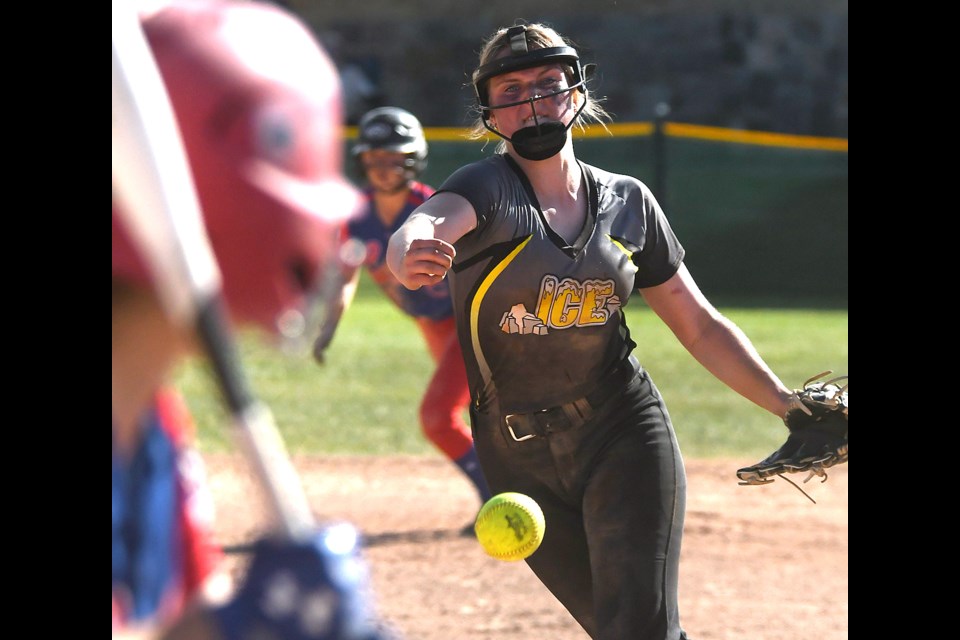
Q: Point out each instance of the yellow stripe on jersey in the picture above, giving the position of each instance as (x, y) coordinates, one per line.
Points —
(620, 246)
(475, 308)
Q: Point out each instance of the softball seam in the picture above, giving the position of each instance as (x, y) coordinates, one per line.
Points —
(520, 552)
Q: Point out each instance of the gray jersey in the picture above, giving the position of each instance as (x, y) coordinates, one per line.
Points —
(540, 321)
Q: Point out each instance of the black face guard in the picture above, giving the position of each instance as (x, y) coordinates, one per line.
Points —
(540, 141)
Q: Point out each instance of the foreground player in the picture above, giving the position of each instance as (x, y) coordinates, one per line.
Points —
(391, 152)
(258, 105)
(543, 251)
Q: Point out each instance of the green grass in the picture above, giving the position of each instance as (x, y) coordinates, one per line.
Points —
(710, 419)
(365, 399)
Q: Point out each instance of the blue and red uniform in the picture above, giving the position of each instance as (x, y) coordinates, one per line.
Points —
(447, 396)
(162, 518)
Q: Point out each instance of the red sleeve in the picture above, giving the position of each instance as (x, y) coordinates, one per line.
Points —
(201, 554)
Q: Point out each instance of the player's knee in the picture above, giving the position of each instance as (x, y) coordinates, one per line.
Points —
(435, 421)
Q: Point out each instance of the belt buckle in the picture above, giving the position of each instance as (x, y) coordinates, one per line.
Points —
(513, 433)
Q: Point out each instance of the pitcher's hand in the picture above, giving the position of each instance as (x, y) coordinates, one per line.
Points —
(425, 262)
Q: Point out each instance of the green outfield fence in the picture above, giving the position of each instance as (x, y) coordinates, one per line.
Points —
(762, 216)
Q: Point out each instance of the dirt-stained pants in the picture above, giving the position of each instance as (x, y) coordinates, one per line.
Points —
(613, 492)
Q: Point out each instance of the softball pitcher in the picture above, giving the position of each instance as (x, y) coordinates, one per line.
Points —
(543, 253)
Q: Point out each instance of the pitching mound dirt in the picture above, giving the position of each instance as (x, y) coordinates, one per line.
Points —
(758, 562)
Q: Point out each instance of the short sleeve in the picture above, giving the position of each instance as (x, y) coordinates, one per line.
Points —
(661, 254)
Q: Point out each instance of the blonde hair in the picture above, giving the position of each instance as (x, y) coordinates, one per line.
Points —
(539, 36)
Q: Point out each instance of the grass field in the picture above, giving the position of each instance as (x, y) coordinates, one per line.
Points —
(364, 400)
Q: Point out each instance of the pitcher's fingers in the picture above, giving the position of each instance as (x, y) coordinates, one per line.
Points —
(418, 257)
(429, 266)
(436, 244)
(417, 280)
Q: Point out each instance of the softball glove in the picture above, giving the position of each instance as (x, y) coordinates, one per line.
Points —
(817, 420)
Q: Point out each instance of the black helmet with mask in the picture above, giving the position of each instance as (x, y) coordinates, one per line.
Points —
(541, 140)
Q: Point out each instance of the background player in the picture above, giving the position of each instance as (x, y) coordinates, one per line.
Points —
(390, 153)
(257, 135)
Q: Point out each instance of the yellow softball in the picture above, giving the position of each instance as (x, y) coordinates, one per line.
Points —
(510, 526)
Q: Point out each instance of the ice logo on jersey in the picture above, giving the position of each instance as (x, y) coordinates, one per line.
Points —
(563, 304)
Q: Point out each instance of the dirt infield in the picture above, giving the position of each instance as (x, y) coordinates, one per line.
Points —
(758, 562)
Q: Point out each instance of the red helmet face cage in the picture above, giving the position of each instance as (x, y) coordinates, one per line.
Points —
(258, 104)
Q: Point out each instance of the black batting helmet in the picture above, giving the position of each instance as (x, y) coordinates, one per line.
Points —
(392, 129)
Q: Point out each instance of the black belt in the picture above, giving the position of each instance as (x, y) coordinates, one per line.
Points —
(523, 426)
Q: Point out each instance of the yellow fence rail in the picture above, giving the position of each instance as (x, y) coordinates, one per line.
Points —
(670, 129)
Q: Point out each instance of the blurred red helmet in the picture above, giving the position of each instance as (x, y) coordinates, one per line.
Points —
(258, 103)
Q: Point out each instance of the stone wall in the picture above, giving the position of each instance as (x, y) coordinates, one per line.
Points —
(747, 64)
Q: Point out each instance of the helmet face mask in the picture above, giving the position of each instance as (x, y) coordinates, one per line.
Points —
(392, 129)
(540, 141)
